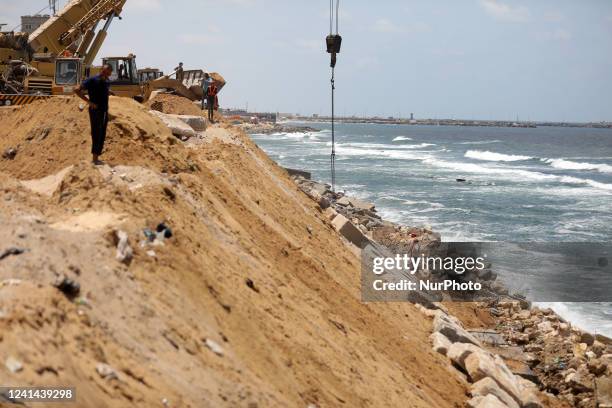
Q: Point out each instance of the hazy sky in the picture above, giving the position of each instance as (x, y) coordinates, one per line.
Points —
(538, 59)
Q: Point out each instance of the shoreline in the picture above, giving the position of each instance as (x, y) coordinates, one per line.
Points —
(538, 345)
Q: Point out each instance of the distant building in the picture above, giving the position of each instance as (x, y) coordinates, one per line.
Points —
(29, 24)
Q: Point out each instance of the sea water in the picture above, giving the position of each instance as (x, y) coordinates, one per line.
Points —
(546, 184)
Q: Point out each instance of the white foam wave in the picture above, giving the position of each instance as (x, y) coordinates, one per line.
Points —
(563, 164)
(481, 142)
(515, 174)
(401, 138)
(492, 156)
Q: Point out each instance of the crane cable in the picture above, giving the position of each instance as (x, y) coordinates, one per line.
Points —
(333, 85)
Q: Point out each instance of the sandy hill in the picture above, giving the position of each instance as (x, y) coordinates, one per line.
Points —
(254, 300)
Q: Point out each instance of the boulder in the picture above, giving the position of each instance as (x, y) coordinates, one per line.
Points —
(482, 365)
(197, 123)
(344, 201)
(587, 338)
(451, 328)
(490, 401)
(176, 125)
(349, 231)
(529, 399)
(361, 205)
(459, 352)
(487, 386)
(578, 383)
(603, 395)
(330, 213)
(440, 343)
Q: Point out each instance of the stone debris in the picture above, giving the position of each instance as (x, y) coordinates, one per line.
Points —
(490, 401)
(487, 386)
(178, 127)
(214, 347)
(348, 230)
(440, 343)
(106, 372)
(13, 365)
(125, 253)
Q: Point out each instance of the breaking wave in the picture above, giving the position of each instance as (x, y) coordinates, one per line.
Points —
(400, 138)
(571, 165)
(492, 156)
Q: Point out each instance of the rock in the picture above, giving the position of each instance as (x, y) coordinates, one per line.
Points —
(13, 365)
(440, 343)
(598, 348)
(523, 315)
(459, 352)
(545, 327)
(124, 250)
(486, 274)
(580, 350)
(349, 231)
(197, 123)
(481, 365)
(587, 338)
(10, 153)
(344, 201)
(489, 337)
(105, 371)
(214, 347)
(487, 386)
(176, 125)
(490, 401)
(597, 367)
(330, 213)
(361, 205)
(451, 328)
(324, 203)
(529, 399)
(603, 396)
(578, 383)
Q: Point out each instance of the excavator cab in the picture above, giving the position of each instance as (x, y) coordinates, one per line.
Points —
(124, 80)
(149, 74)
(68, 74)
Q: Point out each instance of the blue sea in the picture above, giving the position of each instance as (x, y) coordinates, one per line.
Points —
(543, 184)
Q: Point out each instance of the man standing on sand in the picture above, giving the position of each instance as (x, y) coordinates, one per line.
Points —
(212, 101)
(98, 89)
(180, 73)
(206, 82)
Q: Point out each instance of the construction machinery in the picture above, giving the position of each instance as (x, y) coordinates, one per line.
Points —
(126, 81)
(149, 74)
(55, 57)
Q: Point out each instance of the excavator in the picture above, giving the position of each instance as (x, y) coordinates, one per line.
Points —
(56, 57)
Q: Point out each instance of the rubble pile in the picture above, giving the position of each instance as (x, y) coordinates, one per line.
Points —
(570, 363)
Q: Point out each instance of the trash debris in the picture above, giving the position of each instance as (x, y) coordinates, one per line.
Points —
(68, 287)
(13, 365)
(11, 251)
(163, 228)
(124, 250)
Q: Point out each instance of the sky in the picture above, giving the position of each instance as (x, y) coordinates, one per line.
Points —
(469, 59)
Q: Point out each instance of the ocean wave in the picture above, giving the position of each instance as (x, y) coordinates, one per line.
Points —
(481, 142)
(492, 156)
(401, 138)
(516, 174)
(380, 146)
(563, 164)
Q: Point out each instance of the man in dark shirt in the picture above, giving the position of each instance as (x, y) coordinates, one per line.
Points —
(98, 89)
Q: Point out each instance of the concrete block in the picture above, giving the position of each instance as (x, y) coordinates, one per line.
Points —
(349, 231)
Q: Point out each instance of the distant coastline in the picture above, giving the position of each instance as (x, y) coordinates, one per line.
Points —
(450, 122)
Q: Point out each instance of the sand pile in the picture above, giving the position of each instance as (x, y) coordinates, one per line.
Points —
(173, 104)
(253, 301)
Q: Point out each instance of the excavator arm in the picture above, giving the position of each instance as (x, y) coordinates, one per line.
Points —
(76, 21)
